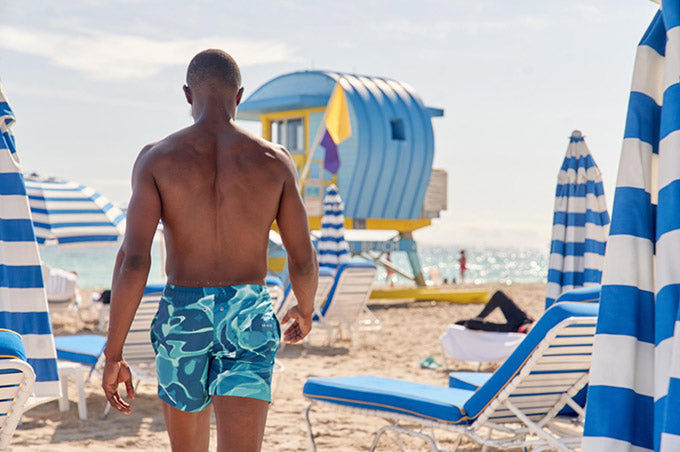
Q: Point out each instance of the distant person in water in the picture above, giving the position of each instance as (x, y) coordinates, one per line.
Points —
(516, 319)
(462, 262)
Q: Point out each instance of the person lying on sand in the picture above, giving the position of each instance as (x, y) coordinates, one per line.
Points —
(218, 189)
(516, 319)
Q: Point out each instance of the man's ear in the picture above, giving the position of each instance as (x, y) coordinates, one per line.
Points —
(239, 95)
(187, 93)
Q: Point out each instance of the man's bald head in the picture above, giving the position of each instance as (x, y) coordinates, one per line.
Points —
(216, 67)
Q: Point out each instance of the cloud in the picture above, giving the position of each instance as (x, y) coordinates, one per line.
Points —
(534, 23)
(81, 96)
(399, 27)
(108, 56)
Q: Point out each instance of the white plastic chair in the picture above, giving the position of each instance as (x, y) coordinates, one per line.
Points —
(61, 288)
(326, 279)
(16, 384)
(347, 300)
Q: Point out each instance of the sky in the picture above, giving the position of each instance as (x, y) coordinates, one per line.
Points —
(92, 81)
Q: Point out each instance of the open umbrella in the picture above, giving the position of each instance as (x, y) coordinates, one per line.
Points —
(580, 223)
(70, 214)
(332, 247)
(23, 306)
(634, 383)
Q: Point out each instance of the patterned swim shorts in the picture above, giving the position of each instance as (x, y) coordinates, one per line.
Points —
(214, 341)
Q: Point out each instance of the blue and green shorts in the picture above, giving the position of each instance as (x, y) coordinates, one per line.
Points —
(214, 341)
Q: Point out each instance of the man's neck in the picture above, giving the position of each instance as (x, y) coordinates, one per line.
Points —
(212, 111)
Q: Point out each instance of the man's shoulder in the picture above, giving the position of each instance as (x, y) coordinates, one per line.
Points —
(166, 147)
(271, 151)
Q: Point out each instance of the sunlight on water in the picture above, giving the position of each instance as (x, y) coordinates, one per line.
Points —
(483, 264)
(95, 265)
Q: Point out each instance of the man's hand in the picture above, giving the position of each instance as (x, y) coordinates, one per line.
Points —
(116, 372)
(301, 326)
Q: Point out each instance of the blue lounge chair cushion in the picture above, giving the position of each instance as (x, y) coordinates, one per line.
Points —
(84, 348)
(11, 345)
(153, 288)
(273, 281)
(497, 382)
(430, 402)
(470, 381)
(583, 295)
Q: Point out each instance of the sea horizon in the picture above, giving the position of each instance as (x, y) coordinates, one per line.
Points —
(485, 264)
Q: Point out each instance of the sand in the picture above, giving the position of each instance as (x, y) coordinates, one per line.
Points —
(409, 333)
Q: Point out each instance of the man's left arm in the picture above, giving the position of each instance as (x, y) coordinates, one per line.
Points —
(129, 277)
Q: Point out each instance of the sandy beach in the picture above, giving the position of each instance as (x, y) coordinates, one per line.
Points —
(409, 333)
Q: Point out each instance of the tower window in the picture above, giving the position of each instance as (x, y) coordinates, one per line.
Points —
(398, 131)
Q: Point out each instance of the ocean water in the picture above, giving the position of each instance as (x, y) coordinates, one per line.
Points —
(505, 265)
(95, 265)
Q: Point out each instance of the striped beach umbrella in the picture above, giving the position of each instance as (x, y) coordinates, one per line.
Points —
(634, 390)
(67, 213)
(332, 247)
(580, 223)
(23, 305)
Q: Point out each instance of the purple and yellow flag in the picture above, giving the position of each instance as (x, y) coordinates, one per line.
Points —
(338, 128)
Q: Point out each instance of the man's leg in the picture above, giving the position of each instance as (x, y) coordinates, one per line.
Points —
(240, 423)
(189, 432)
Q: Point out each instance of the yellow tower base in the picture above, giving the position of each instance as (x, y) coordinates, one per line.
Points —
(434, 294)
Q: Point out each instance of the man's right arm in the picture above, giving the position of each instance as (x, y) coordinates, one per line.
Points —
(302, 265)
(129, 276)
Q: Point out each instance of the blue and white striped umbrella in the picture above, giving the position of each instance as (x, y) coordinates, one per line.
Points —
(69, 214)
(634, 395)
(23, 305)
(332, 247)
(580, 223)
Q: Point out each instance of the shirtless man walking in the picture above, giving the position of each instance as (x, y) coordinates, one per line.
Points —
(217, 188)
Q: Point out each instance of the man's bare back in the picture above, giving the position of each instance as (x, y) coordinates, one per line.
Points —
(220, 188)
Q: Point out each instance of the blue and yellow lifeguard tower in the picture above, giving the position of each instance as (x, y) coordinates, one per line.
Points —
(385, 176)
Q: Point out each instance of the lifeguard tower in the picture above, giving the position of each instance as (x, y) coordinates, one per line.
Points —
(385, 176)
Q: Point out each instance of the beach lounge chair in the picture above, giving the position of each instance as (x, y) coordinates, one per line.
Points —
(516, 407)
(326, 278)
(16, 383)
(88, 349)
(346, 301)
(61, 288)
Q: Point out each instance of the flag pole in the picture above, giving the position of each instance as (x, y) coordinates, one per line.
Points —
(317, 139)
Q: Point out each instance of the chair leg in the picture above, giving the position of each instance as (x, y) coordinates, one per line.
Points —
(63, 401)
(82, 402)
(433, 444)
(103, 314)
(400, 443)
(309, 426)
(456, 445)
